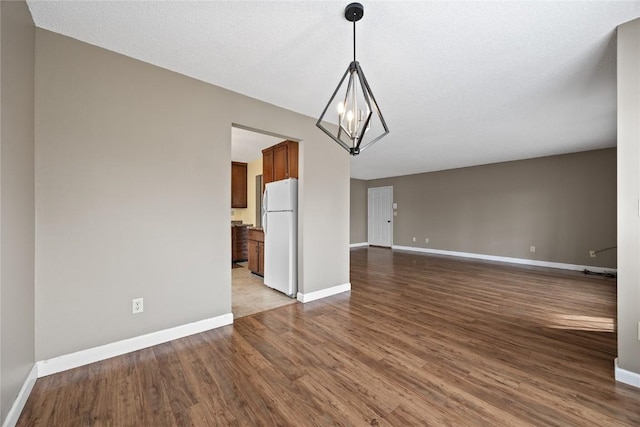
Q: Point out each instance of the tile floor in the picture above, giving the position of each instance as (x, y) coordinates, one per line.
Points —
(250, 295)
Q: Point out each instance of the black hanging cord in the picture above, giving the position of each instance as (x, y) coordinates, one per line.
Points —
(605, 249)
(612, 274)
(354, 12)
(354, 40)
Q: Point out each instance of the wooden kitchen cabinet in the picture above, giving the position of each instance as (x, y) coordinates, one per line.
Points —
(267, 166)
(280, 162)
(238, 185)
(239, 243)
(256, 251)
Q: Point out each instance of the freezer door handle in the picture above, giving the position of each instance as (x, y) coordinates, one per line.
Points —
(265, 199)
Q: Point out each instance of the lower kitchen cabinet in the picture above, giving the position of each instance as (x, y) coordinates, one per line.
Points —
(256, 251)
(239, 243)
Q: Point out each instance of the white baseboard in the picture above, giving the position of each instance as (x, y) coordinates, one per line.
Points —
(96, 354)
(16, 409)
(510, 260)
(627, 377)
(358, 245)
(312, 296)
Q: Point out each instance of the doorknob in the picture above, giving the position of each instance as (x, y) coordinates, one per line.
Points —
(389, 220)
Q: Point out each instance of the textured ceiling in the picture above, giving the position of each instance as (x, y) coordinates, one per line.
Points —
(247, 146)
(459, 83)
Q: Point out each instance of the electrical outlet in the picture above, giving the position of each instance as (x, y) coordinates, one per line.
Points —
(592, 254)
(137, 305)
(532, 248)
(426, 240)
(414, 239)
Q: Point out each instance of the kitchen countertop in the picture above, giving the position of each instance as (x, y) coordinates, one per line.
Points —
(256, 228)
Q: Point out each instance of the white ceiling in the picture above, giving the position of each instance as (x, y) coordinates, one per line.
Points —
(459, 83)
(247, 146)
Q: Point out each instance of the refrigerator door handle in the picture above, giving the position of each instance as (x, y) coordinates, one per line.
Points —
(264, 212)
(264, 223)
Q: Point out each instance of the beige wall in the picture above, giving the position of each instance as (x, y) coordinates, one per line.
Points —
(132, 196)
(358, 212)
(17, 44)
(563, 205)
(237, 214)
(248, 215)
(628, 195)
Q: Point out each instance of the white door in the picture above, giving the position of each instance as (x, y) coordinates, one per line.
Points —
(380, 216)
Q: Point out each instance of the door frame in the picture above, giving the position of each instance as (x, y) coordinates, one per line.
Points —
(390, 188)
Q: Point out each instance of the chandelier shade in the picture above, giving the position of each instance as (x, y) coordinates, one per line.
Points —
(352, 109)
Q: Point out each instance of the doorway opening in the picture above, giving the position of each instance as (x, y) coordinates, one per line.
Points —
(249, 294)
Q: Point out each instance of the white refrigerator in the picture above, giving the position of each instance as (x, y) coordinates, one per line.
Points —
(280, 225)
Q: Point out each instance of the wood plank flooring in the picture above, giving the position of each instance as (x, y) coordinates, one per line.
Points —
(420, 340)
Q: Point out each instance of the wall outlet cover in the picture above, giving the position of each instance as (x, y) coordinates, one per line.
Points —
(137, 305)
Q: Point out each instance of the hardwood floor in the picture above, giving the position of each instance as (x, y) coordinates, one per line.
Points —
(249, 295)
(420, 340)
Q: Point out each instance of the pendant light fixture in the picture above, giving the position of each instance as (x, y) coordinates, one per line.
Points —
(352, 107)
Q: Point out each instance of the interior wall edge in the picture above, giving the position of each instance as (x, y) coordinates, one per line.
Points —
(18, 405)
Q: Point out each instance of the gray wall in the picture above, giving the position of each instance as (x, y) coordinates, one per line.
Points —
(563, 205)
(628, 195)
(17, 43)
(133, 190)
(358, 210)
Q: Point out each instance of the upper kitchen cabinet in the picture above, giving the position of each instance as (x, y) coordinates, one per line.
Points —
(280, 162)
(238, 185)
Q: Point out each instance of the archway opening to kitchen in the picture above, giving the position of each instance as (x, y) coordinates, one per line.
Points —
(262, 241)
